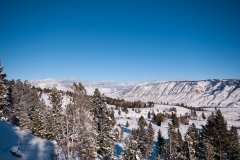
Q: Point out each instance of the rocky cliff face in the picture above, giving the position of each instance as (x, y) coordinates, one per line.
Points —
(220, 93)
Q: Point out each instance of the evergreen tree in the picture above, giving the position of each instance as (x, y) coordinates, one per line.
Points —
(160, 144)
(203, 115)
(193, 113)
(134, 134)
(119, 112)
(126, 110)
(209, 150)
(35, 111)
(150, 136)
(55, 99)
(28, 110)
(191, 146)
(180, 141)
(131, 150)
(24, 118)
(216, 133)
(116, 133)
(4, 98)
(77, 129)
(121, 134)
(154, 117)
(142, 137)
(127, 125)
(20, 105)
(104, 125)
(173, 143)
(38, 121)
(175, 120)
(149, 115)
(233, 148)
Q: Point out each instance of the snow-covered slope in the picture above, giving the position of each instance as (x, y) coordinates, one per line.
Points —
(221, 93)
(107, 87)
(32, 147)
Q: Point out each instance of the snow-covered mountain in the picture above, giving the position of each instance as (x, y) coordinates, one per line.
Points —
(109, 88)
(220, 93)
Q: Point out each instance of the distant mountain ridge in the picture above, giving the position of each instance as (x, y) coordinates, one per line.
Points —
(109, 88)
(209, 93)
(203, 93)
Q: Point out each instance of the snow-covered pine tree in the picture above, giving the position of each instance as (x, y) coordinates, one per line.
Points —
(209, 150)
(104, 124)
(77, 132)
(38, 121)
(131, 150)
(44, 115)
(3, 92)
(36, 113)
(150, 136)
(175, 120)
(121, 135)
(180, 140)
(24, 118)
(116, 133)
(216, 132)
(26, 103)
(55, 113)
(17, 93)
(134, 134)
(89, 151)
(191, 145)
(142, 138)
(173, 145)
(233, 148)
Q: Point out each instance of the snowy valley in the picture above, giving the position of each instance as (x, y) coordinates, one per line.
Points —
(125, 130)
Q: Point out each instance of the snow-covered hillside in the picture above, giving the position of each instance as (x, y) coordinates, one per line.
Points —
(32, 147)
(107, 87)
(220, 93)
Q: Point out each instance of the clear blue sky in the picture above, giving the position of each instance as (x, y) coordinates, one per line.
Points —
(120, 40)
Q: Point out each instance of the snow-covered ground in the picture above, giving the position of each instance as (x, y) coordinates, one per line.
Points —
(32, 148)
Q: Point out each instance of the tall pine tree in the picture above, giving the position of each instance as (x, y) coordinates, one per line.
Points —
(3, 92)
(216, 132)
(104, 124)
